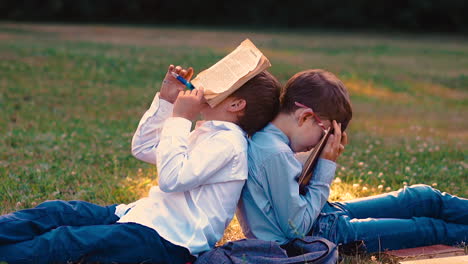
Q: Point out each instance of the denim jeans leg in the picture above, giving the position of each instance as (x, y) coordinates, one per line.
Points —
(26, 224)
(414, 201)
(114, 243)
(413, 216)
(379, 234)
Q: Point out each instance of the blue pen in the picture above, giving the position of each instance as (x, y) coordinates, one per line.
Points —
(183, 81)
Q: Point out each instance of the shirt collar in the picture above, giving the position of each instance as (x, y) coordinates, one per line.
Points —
(224, 125)
(270, 128)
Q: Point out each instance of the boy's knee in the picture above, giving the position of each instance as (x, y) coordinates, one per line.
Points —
(58, 205)
(50, 203)
(423, 188)
(424, 191)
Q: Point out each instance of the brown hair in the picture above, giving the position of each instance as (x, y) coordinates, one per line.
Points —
(320, 90)
(261, 94)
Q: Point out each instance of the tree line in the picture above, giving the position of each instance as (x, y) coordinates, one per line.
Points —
(409, 15)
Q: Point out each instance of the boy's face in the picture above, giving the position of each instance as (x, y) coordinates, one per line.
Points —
(307, 133)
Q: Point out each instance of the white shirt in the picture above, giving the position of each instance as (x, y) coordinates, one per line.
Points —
(201, 175)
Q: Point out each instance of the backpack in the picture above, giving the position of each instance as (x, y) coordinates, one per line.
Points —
(309, 249)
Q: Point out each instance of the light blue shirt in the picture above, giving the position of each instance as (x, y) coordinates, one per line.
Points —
(271, 207)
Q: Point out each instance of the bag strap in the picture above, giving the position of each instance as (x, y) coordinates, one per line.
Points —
(304, 255)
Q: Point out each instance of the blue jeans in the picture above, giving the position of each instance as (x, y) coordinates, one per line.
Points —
(411, 217)
(76, 231)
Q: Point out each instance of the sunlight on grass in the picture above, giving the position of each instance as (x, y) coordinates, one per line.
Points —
(340, 191)
(72, 95)
(359, 88)
(438, 91)
(140, 183)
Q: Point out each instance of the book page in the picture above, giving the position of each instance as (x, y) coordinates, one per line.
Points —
(226, 72)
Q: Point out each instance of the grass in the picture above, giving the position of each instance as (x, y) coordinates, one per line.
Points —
(71, 98)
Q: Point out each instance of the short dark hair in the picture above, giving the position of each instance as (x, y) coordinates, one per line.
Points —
(320, 90)
(261, 94)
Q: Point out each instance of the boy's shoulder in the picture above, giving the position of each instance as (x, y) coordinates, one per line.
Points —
(268, 141)
(227, 132)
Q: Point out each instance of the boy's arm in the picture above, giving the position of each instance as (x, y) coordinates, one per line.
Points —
(181, 169)
(296, 213)
(147, 135)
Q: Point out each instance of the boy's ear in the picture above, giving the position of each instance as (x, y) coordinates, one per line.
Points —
(237, 105)
(302, 115)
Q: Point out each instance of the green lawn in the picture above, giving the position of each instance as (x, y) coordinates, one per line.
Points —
(71, 98)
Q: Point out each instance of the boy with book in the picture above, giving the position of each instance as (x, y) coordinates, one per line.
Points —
(272, 207)
(201, 174)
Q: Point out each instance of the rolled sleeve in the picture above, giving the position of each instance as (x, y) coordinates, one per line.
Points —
(165, 107)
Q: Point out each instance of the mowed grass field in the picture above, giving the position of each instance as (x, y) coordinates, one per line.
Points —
(71, 97)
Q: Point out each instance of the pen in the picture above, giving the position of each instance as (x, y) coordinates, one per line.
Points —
(183, 81)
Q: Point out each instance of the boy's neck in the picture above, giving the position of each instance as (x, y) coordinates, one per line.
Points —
(285, 123)
(225, 118)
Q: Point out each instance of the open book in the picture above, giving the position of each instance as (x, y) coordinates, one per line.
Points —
(230, 73)
(311, 162)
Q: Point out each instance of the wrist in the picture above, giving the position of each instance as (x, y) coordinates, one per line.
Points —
(328, 157)
(166, 98)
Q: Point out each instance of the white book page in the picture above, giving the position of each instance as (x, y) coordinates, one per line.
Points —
(226, 72)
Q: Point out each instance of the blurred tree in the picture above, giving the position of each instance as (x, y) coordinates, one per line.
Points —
(409, 15)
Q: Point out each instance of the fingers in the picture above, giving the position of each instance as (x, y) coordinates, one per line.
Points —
(337, 138)
(337, 130)
(198, 93)
(186, 73)
(336, 143)
(330, 142)
(344, 139)
(341, 149)
(171, 68)
(336, 135)
(189, 74)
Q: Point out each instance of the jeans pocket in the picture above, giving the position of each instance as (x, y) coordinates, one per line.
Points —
(325, 226)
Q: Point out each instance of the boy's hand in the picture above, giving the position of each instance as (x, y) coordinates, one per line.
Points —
(171, 87)
(335, 144)
(189, 103)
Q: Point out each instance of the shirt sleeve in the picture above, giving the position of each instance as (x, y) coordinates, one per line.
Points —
(180, 168)
(296, 213)
(147, 136)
